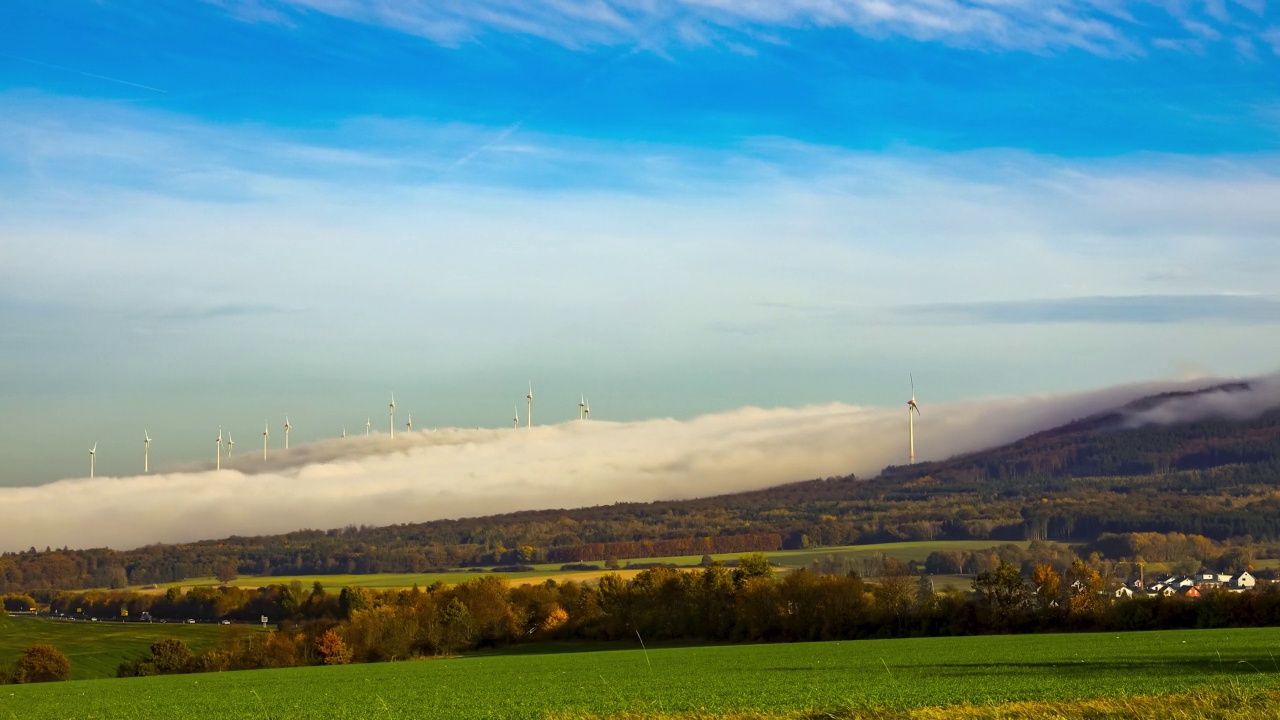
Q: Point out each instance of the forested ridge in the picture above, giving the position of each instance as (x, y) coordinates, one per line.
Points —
(1219, 478)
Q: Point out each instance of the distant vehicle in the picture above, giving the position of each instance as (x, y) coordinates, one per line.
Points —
(191, 622)
(226, 622)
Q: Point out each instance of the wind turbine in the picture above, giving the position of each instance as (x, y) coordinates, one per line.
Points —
(517, 418)
(582, 407)
(344, 431)
(586, 412)
(266, 432)
(286, 432)
(408, 427)
(230, 443)
(368, 425)
(217, 454)
(393, 416)
(92, 454)
(911, 420)
(146, 451)
(529, 415)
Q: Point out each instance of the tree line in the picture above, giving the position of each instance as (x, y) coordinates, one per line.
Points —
(712, 604)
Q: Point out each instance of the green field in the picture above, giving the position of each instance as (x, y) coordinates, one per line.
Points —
(786, 559)
(95, 648)
(905, 551)
(719, 679)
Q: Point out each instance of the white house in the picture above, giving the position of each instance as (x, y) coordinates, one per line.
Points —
(1242, 581)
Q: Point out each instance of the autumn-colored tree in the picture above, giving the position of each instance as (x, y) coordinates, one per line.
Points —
(896, 591)
(1084, 586)
(1048, 586)
(555, 619)
(493, 618)
(333, 649)
(42, 663)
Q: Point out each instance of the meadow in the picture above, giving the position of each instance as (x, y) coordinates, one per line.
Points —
(857, 678)
(95, 648)
(784, 559)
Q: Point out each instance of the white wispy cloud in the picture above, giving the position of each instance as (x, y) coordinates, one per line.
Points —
(1103, 26)
(451, 473)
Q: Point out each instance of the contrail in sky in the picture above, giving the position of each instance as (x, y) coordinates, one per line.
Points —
(541, 107)
(82, 72)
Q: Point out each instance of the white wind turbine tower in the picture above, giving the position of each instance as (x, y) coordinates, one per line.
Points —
(344, 431)
(286, 432)
(408, 427)
(393, 416)
(517, 417)
(586, 411)
(529, 415)
(266, 432)
(230, 443)
(582, 407)
(93, 452)
(217, 453)
(911, 420)
(368, 425)
(146, 452)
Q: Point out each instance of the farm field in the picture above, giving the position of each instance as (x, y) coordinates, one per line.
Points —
(777, 679)
(95, 648)
(785, 559)
(905, 551)
(384, 581)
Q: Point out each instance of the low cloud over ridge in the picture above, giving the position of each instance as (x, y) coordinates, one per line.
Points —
(450, 473)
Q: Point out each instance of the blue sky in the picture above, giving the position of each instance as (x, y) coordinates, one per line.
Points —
(221, 212)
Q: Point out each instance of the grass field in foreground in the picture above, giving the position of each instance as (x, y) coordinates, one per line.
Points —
(783, 678)
(787, 559)
(95, 648)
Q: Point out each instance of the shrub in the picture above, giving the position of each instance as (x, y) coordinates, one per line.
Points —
(18, 602)
(42, 663)
(170, 655)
